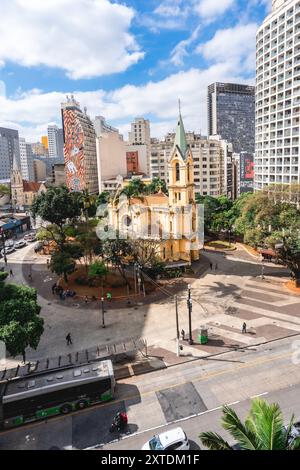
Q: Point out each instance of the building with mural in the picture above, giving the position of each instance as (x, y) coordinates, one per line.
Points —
(80, 153)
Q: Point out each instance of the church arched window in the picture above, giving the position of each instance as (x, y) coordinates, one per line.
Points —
(177, 171)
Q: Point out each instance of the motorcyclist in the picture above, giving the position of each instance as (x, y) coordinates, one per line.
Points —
(120, 420)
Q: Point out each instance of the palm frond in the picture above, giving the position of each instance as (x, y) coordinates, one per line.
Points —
(214, 441)
(295, 444)
(268, 422)
(242, 434)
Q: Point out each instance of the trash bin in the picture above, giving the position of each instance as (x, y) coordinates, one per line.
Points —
(203, 335)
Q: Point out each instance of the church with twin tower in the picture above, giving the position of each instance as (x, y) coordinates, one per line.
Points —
(171, 220)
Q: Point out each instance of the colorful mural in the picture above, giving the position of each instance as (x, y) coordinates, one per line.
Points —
(73, 151)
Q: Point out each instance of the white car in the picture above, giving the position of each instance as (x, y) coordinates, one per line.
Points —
(30, 237)
(8, 250)
(20, 244)
(174, 439)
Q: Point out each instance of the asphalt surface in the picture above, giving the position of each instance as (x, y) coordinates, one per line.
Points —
(189, 395)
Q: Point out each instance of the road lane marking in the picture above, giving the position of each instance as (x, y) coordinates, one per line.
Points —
(260, 395)
(140, 395)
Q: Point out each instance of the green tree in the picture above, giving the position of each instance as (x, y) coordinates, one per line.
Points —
(4, 190)
(20, 323)
(98, 270)
(57, 206)
(116, 251)
(62, 263)
(135, 188)
(263, 430)
(287, 247)
(157, 185)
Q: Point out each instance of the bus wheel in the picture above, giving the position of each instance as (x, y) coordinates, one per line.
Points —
(65, 409)
(81, 404)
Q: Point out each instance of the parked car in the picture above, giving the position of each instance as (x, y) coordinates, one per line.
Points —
(20, 244)
(30, 237)
(174, 439)
(8, 250)
(9, 243)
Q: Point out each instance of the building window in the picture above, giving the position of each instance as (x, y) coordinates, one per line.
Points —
(177, 170)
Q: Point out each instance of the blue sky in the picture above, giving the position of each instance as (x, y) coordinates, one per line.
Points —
(122, 58)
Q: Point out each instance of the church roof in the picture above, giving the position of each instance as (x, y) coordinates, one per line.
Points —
(180, 138)
(31, 187)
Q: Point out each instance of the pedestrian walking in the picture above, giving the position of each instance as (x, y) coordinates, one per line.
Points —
(54, 288)
(48, 264)
(182, 335)
(86, 299)
(11, 273)
(244, 329)
(108, 296)
(211, 266)
(69, 339)
(30, 277)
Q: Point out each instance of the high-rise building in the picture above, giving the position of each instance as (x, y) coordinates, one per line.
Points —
(55, 141)
(231, 114)
(40, 171)
(212, 162)
(278, 96)
(140, 135)
(39, 150)
(44, 141)
(9, 149)
(102, 127)
(111, 157)
(80, 152)
(26, 157)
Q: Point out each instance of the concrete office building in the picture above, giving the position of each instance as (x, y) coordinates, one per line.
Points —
(231, 114)
(80, 154)
(212, 162)
(140, 135)
(55, 142)
(111, 157)
(9, 149)
(101, 126)
(26, 158)
(278, 96)
(40, 171)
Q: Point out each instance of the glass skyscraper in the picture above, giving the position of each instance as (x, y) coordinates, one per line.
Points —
(231, 114)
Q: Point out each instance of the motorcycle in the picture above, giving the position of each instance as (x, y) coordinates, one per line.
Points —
(119, 422)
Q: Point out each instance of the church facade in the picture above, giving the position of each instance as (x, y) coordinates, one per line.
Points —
(23, 192)
(171, 222)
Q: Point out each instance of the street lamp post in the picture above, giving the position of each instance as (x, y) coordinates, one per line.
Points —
(177, 327)
(189, 304)
(103, 311)
(3, 243)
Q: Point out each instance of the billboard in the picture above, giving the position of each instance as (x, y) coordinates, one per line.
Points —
(246, 172)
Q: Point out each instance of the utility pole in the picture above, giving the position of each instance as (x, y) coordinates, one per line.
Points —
(177, 326)
(103, 311)
(3, 244)
(189, 305)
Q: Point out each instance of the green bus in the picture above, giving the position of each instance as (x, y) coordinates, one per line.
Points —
(49, 393)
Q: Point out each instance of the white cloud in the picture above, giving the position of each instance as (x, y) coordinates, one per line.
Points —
(212, 8)
(170, 8)
(180, 50)
(31, 112)
(2, 88)
(86, 38)
(235, 44)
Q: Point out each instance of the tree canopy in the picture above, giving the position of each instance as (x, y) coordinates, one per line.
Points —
(20, 323)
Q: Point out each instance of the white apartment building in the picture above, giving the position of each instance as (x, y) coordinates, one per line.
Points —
(140, 135)
(26, 157)
(278, 96)
(55, 141)
(212, 162)
(111, 157)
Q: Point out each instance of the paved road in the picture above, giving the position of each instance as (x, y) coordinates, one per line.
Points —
(160, 399)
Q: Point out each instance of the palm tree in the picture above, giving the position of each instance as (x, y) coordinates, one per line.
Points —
(263, 430)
